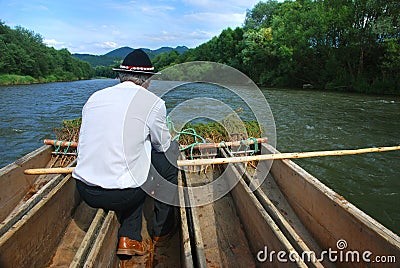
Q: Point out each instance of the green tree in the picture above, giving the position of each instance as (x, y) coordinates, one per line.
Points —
(23, 52)
(261, 15)
(165, 59)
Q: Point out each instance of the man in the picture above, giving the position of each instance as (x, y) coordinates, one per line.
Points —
(123, 131)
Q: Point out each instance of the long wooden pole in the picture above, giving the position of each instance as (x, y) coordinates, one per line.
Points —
(278, 156)
(39, 171)
(214, 161)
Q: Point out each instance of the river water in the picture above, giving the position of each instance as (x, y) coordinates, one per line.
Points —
(304, 120)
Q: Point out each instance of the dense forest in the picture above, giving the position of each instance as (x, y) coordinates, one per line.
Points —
(346, 45)
(24, 58)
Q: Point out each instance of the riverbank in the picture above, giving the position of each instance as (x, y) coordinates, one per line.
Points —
(14, 79)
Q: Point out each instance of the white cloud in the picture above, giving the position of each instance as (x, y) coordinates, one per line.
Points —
(202, 35)
(107, 45)
(53, 43)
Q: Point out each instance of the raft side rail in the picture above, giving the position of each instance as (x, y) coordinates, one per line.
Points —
(61, 201)
(14, 184)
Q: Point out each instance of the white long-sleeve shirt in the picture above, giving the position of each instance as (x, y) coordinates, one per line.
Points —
(120, 124)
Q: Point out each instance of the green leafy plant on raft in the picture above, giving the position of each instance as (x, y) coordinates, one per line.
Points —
(69, 130)
(210, 132)
(216, 132)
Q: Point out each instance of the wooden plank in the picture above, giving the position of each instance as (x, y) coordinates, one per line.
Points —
(38, 233)
(103, 252)
(223, 238)
(269, 195)
(283, 216)
(262, 232)
(73, 236)
(14, 184)
(186, 249)
(25, 205)
(329, 217)
(194, 225)
(88, 240)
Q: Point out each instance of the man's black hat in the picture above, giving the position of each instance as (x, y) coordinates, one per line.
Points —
(136, 62)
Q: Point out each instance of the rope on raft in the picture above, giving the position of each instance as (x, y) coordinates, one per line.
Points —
(57, 148)
(199, 140)
(62, 157)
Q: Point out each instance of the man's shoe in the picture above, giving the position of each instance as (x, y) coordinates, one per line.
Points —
(159, 239)
(127, 246)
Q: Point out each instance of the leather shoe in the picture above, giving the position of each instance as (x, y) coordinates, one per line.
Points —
(159, 239)
(127, 246)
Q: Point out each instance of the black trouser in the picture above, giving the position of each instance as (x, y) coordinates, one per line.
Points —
(128, 203)
(163, 172)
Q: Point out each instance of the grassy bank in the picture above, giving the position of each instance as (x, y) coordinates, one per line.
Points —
(13, 79)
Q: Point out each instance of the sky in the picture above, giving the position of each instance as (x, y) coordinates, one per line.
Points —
(98, 27)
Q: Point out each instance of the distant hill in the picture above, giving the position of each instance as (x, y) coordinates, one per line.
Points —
(117, 55)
